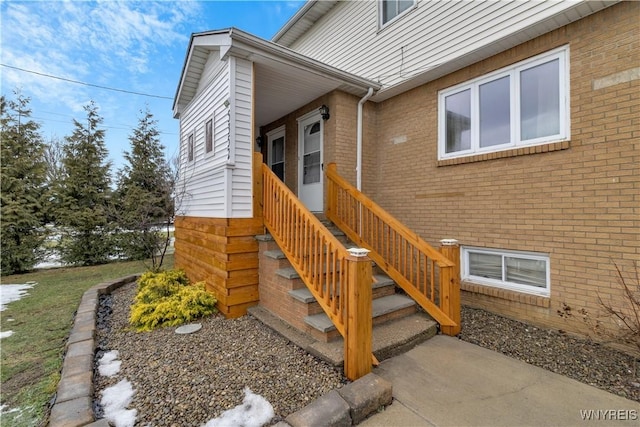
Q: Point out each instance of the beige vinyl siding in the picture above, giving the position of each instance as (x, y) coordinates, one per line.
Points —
(435, 32)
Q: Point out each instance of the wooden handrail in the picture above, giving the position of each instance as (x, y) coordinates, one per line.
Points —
(340, 282)
(421, 271)
(315, 253)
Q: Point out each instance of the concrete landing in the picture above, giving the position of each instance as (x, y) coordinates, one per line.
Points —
(448, 382)
(389, 339)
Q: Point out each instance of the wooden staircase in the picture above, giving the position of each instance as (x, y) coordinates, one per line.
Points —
(284, 295)
(302, 251)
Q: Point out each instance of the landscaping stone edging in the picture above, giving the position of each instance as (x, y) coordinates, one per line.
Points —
(73, 405)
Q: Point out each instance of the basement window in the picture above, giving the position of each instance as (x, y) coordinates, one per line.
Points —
(514, 270)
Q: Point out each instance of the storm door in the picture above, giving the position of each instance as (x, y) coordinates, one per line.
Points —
(310, 183)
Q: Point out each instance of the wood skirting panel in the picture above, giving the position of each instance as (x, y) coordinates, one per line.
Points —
(223, 253)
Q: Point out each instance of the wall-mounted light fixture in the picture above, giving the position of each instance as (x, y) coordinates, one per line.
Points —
(259, 141)
(324, 112)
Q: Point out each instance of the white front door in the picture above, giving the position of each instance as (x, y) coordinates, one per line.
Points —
(310, 182)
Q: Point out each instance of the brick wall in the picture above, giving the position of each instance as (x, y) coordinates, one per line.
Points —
(579, 203)
(339, 136)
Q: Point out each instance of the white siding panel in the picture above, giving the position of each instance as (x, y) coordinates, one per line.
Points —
(211, 69)
(219, 184)
(433, 33)
(242, 183)
(203, 179)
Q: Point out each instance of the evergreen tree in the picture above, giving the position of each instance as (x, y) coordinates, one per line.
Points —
(22, 185)
(144, 194)
(55, 173)
(84, 194)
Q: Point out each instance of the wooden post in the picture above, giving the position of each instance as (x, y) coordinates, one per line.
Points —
(359, 322)
(332, 196)
(258, 182)
(450, 285)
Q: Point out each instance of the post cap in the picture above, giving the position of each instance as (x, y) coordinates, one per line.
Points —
(449, 242)
(358, 252)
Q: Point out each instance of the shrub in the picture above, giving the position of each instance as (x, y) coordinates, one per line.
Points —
(167, 299)
(620, 322)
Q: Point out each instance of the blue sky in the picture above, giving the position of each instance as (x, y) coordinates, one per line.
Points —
(131, 46)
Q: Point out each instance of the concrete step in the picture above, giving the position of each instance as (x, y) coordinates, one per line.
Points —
(381, 307)
(382, 286)
(389, 339)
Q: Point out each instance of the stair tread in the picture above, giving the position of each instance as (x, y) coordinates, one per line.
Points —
(380, 307)
(381, 280)
(389, 339)
(304, 294)
(288, 273)
(275, 254)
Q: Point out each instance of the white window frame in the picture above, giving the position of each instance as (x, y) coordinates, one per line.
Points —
(503, 284)
(513, 71)
(381, 23)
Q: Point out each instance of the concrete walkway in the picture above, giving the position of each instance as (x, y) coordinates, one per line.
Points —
(449, 382)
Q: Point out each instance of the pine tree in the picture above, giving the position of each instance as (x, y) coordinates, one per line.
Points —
(84, 195)
(22, 186)
(144, 194)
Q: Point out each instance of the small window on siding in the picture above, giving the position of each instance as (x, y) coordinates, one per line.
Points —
(391, 9)
(208, 136)
(525, 104)
(190, 147)
(515, 270)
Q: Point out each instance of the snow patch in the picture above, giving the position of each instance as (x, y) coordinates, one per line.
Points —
(255, 411)
(5, 334)
(11, 293)
(115, 400)
(108, 366)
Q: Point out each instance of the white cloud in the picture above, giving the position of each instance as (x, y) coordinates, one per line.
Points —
(93, 42)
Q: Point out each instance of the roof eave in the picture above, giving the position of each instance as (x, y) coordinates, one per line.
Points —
(293, 20)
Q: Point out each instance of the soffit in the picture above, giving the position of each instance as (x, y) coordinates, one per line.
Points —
(282, 88)
(284, 80)
(304, 19)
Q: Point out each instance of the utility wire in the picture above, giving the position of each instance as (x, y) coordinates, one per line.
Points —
(86, 84)
(128, 127)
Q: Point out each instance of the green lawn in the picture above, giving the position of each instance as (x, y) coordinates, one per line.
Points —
(41, 322)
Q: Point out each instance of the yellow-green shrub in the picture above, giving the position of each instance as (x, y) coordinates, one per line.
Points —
(167, 299)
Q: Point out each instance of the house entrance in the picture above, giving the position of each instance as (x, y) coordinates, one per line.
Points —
(310, 185)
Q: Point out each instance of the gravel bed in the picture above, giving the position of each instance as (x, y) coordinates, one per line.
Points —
(581, 359)
(187, 380)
